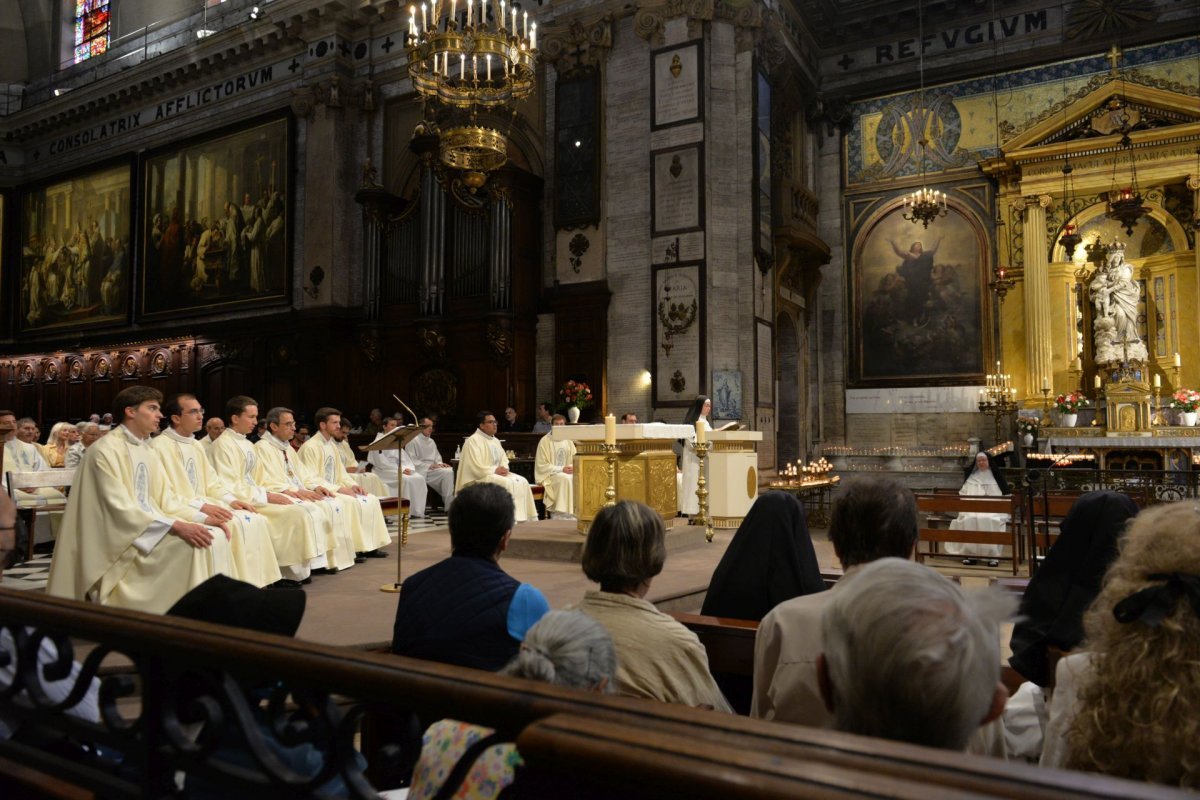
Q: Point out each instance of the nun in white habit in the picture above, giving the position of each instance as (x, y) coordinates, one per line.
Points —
(982, 481)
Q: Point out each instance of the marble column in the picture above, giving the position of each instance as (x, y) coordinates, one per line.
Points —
(1038, 352)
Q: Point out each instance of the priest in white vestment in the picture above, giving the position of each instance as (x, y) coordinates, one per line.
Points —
(553, 468)
(299, 531)
(194, 480)
(689, 462)
(212, 429)
(127, 540)
(423, 451)
(320, 455)
(22, 456)
(388, 465)
(983, 481)
(355, 468)
(483, 459)
(282, 471)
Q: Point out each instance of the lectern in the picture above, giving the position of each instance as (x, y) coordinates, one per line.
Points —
(396, 438)
(732, 475)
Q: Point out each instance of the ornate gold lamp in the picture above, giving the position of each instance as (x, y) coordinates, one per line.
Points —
(471, 62)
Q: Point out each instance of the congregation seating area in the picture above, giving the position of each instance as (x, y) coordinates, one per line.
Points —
(573, 744)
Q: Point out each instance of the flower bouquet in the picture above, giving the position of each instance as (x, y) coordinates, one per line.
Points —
(575, 393)
(1186, 400)
(1028, 425)
(1070, 403)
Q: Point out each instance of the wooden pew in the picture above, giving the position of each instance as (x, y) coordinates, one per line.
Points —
(939, 504)
(574, 744)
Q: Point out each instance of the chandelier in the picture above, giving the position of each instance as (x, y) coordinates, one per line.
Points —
(471, 68)
(1125, 204)
(1071, 237)
(925, 204)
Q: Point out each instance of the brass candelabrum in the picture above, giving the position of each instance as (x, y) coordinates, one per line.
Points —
(610, 458)
(702, 517)
(1158, 418)
(999, 399)
(1045, 406)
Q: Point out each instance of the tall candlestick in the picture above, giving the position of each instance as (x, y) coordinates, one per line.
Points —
(610, 429)
(701, 432)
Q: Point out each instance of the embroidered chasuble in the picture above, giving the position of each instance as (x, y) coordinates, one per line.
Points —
(193, 479)
(548, 466)
(299, 533)
(367, 525)
(481, 455)
(115, 547)
(280, 470)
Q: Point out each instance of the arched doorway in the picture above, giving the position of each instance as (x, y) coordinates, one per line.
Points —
(787, 356)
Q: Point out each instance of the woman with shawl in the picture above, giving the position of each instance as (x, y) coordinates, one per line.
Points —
(982, 481)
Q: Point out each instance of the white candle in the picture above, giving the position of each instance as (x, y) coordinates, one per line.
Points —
(1157, 382)
(533, 39)
(475, 68)
(525, 14)
(701, 433)
(500, 22)
(424, 17)
(453, 12)
(610, 429)
(462, 66)
(1096, 381)
(514, 23)
(469, 12)
(1045, 384)
(1177, 361)
(489, 67)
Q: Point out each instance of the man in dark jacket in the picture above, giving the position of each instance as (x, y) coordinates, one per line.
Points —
(466, 610)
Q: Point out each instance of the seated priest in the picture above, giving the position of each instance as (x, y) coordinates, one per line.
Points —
(191, 476)
(370, 484)
(390, 464)
(282, 471)
(299, 531)
(212, 429)
(127, 540)
(321, 456)
(438, 475)
(553, 468)
(21, 456)
(483, 459)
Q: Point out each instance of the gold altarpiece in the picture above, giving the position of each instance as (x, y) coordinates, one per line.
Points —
(1045, 324)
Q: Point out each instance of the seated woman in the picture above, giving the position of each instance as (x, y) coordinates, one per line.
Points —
(770, 559)
(1127, 705)
(982, 481)
(1068, 581)
(657, 657)
(565, 648)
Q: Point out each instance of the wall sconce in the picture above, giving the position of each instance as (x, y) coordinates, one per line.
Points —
(315, 278)
(646, 378)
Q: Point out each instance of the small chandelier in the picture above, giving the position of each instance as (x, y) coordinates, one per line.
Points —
(925, 204)
(1070, 238)
(471, 71)
(1125, 204)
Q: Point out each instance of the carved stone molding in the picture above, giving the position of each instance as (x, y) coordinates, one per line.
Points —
(650, 19)
(834, 112)
(1043, 200)
(582, 45)
(304, 100)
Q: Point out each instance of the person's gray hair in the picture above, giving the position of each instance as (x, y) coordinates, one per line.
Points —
(276, 414)
(566, 648)
(910, 656)
(86, 425)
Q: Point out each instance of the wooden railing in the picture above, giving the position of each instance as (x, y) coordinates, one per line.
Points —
(182, 693)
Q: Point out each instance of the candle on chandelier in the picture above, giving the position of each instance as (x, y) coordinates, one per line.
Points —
(475, 68)
(462, 66)
(470, 14)
(513, 30)
(489, 67)
(424, 17)
(533, 38)
(526, 25)
(500, 22)
(453, 13)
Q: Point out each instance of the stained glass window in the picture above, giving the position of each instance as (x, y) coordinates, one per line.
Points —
(91, 28)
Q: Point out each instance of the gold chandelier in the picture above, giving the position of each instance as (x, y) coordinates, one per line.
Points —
(471, 67)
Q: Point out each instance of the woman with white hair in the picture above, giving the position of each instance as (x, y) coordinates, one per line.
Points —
(458, 759)
(88, 432)
(62, 435)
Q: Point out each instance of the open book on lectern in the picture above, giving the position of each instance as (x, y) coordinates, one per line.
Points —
(395, 438)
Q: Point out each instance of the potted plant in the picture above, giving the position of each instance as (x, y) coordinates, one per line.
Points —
(1187, 401)
(1068, 406)
(1027, 427)
(574, 396)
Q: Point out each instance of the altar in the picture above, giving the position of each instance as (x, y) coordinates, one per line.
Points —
(1167, 448)
(644, 468)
